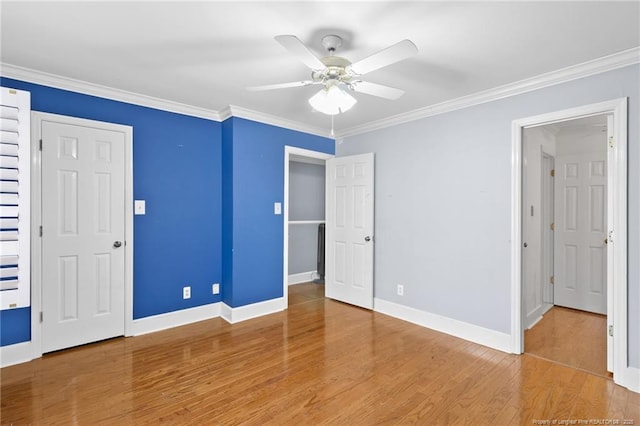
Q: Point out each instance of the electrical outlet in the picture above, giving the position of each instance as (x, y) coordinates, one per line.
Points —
(400, 290)
(215, 288)
(186, 292)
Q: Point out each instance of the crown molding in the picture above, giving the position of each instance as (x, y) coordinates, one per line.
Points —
(225, 113)
(261, 117)
(574, 72)
(65, 83)
(563, 75)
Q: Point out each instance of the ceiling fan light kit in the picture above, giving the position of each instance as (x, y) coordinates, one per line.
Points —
(332, 100)
(336, 74)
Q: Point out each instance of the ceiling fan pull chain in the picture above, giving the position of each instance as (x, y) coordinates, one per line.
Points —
(332, 134)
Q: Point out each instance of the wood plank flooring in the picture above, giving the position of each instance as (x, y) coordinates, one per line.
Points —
(319, 362)
(571, 337)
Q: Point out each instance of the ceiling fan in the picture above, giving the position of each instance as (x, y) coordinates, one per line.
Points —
(337, 75)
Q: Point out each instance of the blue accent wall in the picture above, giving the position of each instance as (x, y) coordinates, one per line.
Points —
(253, 157)
(177, 169)
(209, 189)
(15, 326)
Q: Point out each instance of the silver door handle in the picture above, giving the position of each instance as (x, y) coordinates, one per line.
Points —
(367, 238)
(117, 244)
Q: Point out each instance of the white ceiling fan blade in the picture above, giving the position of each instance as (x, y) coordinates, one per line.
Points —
(377, 90)
(298, 49)
(281, 85)
(390, 55)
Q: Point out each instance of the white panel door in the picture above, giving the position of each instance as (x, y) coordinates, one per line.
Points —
(349, 230)
(581, 219)
(83, 256)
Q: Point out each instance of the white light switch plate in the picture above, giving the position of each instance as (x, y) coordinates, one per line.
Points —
(277, 208)
(139, 207)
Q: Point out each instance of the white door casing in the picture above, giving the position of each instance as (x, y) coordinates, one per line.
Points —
(349, 229)
(613, 298)
(580, 261)
(83, 242)
(548, 225)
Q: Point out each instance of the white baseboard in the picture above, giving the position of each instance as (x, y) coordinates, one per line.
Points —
(534, 322)
(474, 333)
(254, 310)
(175, 319)
(631, 379)
(16, 354)
(302, 277)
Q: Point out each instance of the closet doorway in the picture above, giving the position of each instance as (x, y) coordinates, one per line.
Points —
(304, 211)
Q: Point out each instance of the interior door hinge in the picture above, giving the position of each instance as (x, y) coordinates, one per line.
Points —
(41, 316)
(611, 330)
(552, 279)
(553, 172)
(611, 142)
(41, 230)
(553, 226)
(40, 144)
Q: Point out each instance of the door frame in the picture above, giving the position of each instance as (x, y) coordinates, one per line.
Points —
(617, 227)
(617, 221)
(547, 208)
(315, 157)
(36, 218)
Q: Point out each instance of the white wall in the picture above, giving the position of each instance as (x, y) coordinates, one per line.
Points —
(443, 202)
(536, 141)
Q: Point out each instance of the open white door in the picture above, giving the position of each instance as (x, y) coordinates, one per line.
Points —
(349, 229)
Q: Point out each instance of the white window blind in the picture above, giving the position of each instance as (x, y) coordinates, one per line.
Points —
(15, 283)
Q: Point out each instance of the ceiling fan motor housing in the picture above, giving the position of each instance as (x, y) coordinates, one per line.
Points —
(335, 70)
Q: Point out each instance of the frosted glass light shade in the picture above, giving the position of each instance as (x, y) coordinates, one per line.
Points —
(332, 100)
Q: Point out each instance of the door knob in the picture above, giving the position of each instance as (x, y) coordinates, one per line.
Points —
(117, 244)
(367, 238)
(525, 245)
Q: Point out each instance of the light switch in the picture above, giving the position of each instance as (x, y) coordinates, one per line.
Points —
(139, 207)
(277, 208)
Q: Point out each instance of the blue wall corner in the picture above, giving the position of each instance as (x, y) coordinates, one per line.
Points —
(227, 212)
(258, 182)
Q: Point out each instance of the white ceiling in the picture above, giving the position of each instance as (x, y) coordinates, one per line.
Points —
(204, 54)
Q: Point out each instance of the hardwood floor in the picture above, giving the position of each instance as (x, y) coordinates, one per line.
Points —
(320, 362)
(571, 337)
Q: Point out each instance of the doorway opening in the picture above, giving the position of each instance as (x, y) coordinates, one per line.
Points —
(614, 265)
(565, 242)
(304, 210)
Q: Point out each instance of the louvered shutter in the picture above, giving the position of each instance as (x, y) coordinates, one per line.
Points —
(15, 113)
